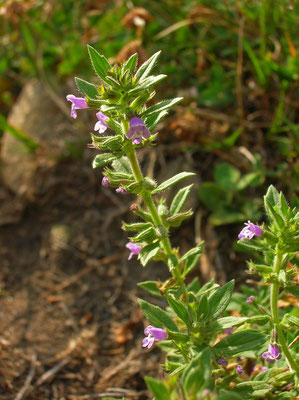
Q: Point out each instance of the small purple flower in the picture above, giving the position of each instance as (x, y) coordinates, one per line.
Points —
(272, 354)
(137, 130)
(222, 361)
(101, 125)
(239, 370)
(121, 190)
(153, 335)
(228, 331)
(264, 369)
(250, 231)
(134, 249)
(78, 103)
(105, 181)
(250, 299)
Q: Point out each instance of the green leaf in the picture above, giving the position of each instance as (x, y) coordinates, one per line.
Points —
(207, 287)
(284, 205)
(156, 316)
(177, 219)
(148, 252)
(253, 389)
(249, 245)
(227, 322)
(272, 196)
(146, 84)
(150, 287)
(161, 106)
(219, 300)
(180, 310)
(112, 82)
(172, 181)
(145, 235)
(122, 165)
(237, 343)
(191, 258)
(226, 176)
(178, 337)
(146, 68)
(191, 263)
(203, 307)
(274, 215)
(99, 62)
(87, 88)
(197, 372)
(104, 158)
(137, 227)
(294, 290)
(152, 121)
(130, 64)
(179, 200)
(158, 388)
(229, 396)
(198, 249)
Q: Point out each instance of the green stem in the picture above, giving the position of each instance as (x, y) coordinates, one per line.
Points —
(274, 311)
(147, 198)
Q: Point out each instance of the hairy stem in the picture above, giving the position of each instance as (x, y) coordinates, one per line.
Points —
(147, 198)
(274, 311)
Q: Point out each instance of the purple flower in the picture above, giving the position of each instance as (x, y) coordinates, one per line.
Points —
(105, 181)
(239, 370)
(250, 231)
(228, 331)
(222, 361)
(272, 354)
(121, 190)
(153, 335)
(134, 249)
(78, 103)
(264, 369)
(250, 299)
(101, 125)
(137, 130)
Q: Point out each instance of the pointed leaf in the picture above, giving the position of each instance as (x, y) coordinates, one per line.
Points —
(130, 64)
(104, 158)
(146, 68)
(172, 181)
(180, 310)
(99, 62)
(87, 88)
(219, 300)
(198, 249)
(150, 287)
(272, 196)
(237, 343)
(161, 106)
(179, 200)
(158, 388)
(148, 252)
(177, 219)
(254, 389)
(156, 316)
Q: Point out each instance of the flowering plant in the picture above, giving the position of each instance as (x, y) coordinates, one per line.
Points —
(210, 354)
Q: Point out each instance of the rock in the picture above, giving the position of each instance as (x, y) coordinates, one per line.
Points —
(40, 118)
